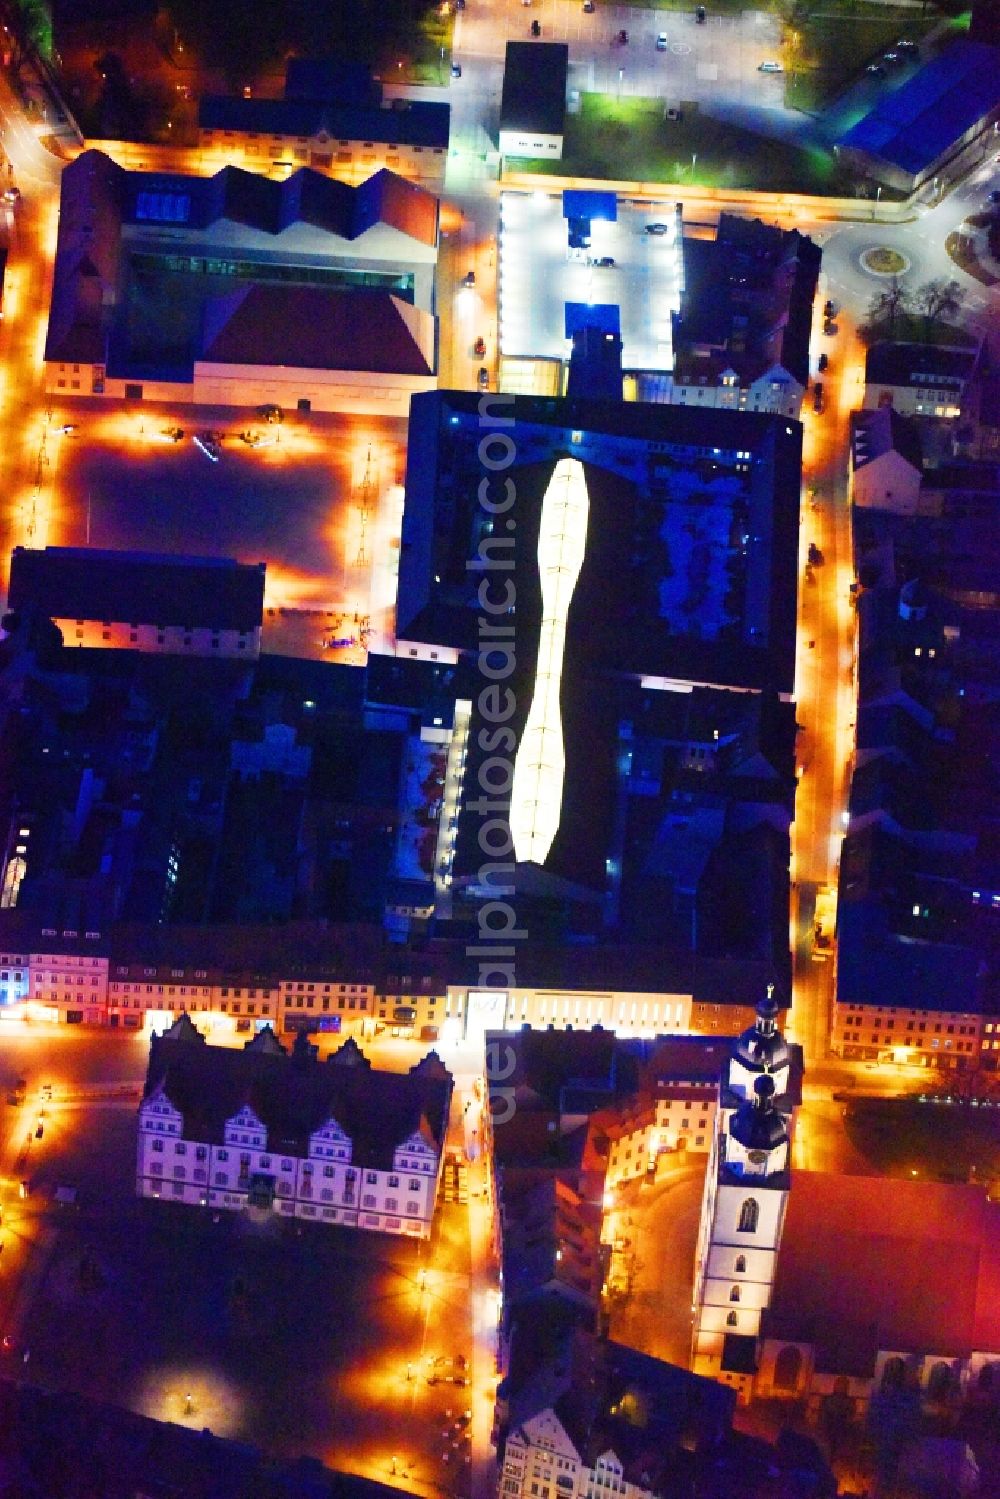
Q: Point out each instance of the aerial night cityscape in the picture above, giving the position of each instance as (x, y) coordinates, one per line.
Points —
(500, 749)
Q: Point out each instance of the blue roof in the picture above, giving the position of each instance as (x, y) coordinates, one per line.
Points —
(590, 205)
(914, 125)
(603, 315)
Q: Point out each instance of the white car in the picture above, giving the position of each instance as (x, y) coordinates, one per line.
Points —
(770, 67)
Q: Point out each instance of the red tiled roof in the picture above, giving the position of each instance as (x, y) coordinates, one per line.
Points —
(313, 327)
(919, 1261)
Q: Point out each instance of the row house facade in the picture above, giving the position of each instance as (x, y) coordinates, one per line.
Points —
(943, 1038)
(681, 1118)
(281, 1132)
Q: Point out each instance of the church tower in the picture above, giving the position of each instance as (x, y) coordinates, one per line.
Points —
(746, 1191)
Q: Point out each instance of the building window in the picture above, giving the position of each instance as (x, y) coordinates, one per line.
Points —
(741, 1264)
(749, 1213)
(732, 1320)
(734, 1293)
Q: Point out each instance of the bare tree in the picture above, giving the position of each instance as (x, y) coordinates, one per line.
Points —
(936, 299)
(884, 312)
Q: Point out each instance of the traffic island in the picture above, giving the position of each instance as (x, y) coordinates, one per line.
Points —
(883, 261)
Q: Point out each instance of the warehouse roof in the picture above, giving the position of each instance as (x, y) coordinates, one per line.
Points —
(912, 126)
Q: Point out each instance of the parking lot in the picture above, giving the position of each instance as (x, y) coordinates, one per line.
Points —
(637, 286)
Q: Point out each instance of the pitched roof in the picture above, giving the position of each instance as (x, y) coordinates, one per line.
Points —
(858, 1254)
(611, 1399)
(884, 430)
(748, 297)
(85, 583)
(294, 1095)
(314, 327)
(900, 364)
(415, 124)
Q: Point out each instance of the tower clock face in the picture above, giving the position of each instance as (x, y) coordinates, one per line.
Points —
(757, 1157)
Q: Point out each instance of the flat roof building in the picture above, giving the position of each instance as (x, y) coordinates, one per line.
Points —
(533, 104)
(921, 129)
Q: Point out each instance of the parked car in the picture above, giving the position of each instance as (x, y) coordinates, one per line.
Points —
(605, 262)
(588, 7)
(815, 555)
(456, 70)
(891, 56)
(484, 378)
(699, 15)
(828, 308)
(657, 228)
(818, 397)
(877, 69)
(622, 38)
(829, 327)
(469, 279)
(459, 4)
(770, 67)
(479, 347)
(905, 45)
(271, 413)
(536, 28)
(661, 42)
(824, 360)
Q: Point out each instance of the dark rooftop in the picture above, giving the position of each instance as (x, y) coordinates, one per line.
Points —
(742, 634)
(414, 124)
(534, 87)
(294, 1095)
(884, 430)
(898, 364)
(84, 583)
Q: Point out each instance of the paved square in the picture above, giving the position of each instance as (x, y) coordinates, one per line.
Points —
(295, 1338)
(293, 499)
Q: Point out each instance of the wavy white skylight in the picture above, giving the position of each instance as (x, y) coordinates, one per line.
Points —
(540, 763)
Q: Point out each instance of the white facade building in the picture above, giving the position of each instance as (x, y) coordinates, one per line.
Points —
(223, 1129)
(746, 1193)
